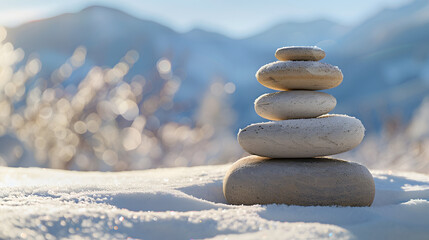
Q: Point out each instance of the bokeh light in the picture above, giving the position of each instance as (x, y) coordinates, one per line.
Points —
(109, 120)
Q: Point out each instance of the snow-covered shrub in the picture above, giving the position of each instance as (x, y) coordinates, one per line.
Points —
(398, 146)
(107, 122)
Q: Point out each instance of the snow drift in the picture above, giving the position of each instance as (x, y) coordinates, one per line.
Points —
(185, 203)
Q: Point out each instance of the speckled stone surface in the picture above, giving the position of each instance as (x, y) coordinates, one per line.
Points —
(299, 75)
(300, 53)
(294, 104)
(305, 182)
(302, 138)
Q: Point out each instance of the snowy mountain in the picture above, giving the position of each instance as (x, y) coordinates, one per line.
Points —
(107, 34)
(322, 33)
(384, 59)
(385, 62)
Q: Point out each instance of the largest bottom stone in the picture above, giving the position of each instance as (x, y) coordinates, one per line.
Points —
(304, 181)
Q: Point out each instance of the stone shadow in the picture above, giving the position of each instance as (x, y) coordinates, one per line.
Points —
(212, 191)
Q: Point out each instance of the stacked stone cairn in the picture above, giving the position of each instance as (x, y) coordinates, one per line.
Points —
(289, 163)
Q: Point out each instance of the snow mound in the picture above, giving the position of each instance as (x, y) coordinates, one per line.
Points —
(187, 203)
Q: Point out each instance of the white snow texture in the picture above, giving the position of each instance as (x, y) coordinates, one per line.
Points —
(187, 203)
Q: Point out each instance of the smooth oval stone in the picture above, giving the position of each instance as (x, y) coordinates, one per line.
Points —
(294, 104)
(302, 138)
(305, 182)
(302, 75)
(304, 53)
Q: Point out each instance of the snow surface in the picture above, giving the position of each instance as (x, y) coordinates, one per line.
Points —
(187, 203)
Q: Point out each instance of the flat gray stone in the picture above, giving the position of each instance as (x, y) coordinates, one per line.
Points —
(305, 182)
(299, 75)
(300, 53)
(294, 104)
(302, 138)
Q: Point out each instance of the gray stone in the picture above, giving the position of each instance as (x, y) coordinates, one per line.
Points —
(300, 75)
(300, 53)
(305, 182)
(301, 138)
(294, 104)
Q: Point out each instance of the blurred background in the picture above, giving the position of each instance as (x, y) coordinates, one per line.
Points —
(110, 86)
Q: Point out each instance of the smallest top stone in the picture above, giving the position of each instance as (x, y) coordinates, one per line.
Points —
(300, 53)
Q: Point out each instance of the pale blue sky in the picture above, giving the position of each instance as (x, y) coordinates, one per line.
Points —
(236, 18)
